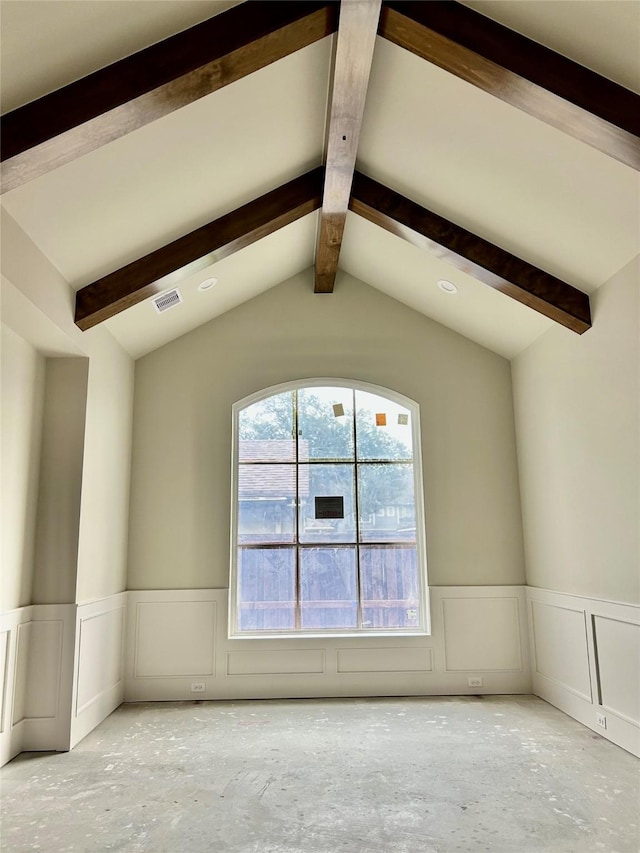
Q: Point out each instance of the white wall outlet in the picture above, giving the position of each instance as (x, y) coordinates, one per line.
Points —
(474, 681)
(197, 686)
(601, 720)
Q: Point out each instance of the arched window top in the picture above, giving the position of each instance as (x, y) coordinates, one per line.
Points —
(328, 382)
(327, 523)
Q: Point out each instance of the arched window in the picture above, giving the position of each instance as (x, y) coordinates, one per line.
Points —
(327, 522)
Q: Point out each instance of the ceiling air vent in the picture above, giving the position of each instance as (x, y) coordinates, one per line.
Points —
(167, 300)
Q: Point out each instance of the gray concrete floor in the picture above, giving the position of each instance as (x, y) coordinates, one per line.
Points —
(503, 774)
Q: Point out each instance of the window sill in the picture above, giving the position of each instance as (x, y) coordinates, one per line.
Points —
(326, 635)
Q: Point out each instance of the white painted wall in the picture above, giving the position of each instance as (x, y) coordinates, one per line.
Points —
(23, 370)
(577, 417)
(179, 534)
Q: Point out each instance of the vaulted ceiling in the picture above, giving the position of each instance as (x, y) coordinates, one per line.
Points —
(506, 165)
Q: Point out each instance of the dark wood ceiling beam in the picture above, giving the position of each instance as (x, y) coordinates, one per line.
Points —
(356, 38)
(520, 72)
(465, 251)
(152, 83)
(166, 266)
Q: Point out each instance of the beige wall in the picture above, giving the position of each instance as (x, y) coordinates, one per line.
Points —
(60, 483)
(179, 533)
(576, 407)
(104, 517)
(22, 399)
(40, 303)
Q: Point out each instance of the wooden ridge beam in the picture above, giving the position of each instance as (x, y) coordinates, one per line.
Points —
(124, 96)
(147, 276)
(477, 257)
(356, 38)
(520, 72)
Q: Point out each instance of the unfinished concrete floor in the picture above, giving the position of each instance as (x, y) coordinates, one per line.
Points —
(503, 774)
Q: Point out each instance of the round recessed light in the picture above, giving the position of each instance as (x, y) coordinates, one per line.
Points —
(207, 284)
(447, 286)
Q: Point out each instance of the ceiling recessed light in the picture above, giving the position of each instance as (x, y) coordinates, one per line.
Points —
(207, 284)
(447, 286)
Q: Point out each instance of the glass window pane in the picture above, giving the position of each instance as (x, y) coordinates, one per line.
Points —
(265, 430)
(326, 520)
(266, 503)
(325, 423)
(389, 586)
(328, 589)
(386, 502)
(266, 589)
(383, 428)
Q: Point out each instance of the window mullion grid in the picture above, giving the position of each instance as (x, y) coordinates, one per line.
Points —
(357, 511)
(297, 612)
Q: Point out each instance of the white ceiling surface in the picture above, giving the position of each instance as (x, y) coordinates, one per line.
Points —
(475, 311)
(603, 35)
(502, 174)
(47, 44)
(113, 205)
(506, 176)
(241, 276)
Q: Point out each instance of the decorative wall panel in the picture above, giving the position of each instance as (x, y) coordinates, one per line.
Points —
(618, 658)
(4, 675)
(385, 660)
(100, 642)
(586, 661)
(481, 634)
(560, 639)
(276, 662)
(175, 638)
(98, 686)
(44, 669)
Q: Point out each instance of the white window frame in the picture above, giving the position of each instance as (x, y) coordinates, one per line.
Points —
(421, 552)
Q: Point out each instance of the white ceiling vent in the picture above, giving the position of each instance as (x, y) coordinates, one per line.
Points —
(167, 300)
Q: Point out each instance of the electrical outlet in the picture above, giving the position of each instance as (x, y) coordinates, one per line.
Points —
(601, 720)
(197, 686)
(474, 681)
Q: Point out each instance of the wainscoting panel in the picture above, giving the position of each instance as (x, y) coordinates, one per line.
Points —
(37, 668)
(177, 647)
(586, 661)
(175, 638)
(4, 673)
(21, 673)
(49, 677)
(276, 662)
(481, 634)
(44, 668)
(99, 686)
(99, 655)
(11, 734)
(562, 655)
(618, 658)
(172, 642)
(385, 660)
